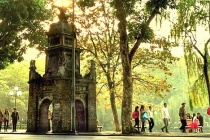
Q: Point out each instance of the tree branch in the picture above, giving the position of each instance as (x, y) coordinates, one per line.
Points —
(138, 41)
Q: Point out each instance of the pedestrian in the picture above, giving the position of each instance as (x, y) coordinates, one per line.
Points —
(135, 115)
(144, 117)
(15, 118)
(166, 117)
(6, 119)
(200, 118)
(182, 115)
(49, 119)
(1, 119)
(151, 120)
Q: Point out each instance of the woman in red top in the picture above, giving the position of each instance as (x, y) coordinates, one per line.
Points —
(135, 115)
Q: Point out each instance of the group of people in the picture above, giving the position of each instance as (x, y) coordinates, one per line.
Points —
(4, 118)
(144, 115)
(148, 115)
(197, 120)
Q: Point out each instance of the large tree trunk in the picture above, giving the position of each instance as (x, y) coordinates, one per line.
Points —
(126, 58)
(127, 96)
(127, 75)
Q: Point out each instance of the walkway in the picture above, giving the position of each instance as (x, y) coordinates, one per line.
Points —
(111, 133)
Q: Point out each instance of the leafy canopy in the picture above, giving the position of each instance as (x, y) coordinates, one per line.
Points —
(21, 26)
(193, 17)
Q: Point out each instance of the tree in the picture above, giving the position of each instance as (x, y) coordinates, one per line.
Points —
(143, 34)
(194, 17)
(21, 26)
(99, 39)
(101, 30)
(16, 75)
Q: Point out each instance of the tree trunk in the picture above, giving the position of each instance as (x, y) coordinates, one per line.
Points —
(206, 61)
(127, 81)
(205, 69)
(127, 75)
(114, 111)
(113, 103)
(127, 96)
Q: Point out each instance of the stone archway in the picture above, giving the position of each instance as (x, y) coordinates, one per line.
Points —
(80, 116)
(43, 115)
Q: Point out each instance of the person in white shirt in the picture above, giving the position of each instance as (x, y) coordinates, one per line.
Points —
(151, 120)
(166, 118)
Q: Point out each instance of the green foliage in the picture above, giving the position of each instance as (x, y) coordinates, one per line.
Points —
(156, 4)
(192, 16)
(21, 26)
(128, 5)
(178, 92)
(17, 75)
(102, 43)
(146, 32)
(198, 93)
(99, 36)
(197, 86)
(14, 75)
(86, 3)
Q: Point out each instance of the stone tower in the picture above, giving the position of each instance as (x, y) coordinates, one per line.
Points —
(54, 87)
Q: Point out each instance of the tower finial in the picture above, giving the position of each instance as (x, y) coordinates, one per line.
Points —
(62, 16)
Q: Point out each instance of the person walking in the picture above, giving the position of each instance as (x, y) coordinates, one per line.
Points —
(200, 118)
(6, 119)
(15, 118)
(1, 119)
(142, 111)
(135, 115)
(151, 120)
(166, 118)
(182, 115)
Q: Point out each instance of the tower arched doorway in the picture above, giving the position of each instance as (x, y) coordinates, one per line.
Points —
(43, 115)
(80, 116)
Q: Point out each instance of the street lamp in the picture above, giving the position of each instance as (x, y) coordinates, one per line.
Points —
(16, 94)
(73, 107)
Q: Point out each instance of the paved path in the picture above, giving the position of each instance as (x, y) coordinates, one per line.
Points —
(15, 136)
(111, 133)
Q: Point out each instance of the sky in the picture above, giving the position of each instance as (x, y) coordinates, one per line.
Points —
(32, 54)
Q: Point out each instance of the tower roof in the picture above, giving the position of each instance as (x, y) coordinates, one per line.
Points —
(62, 26)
